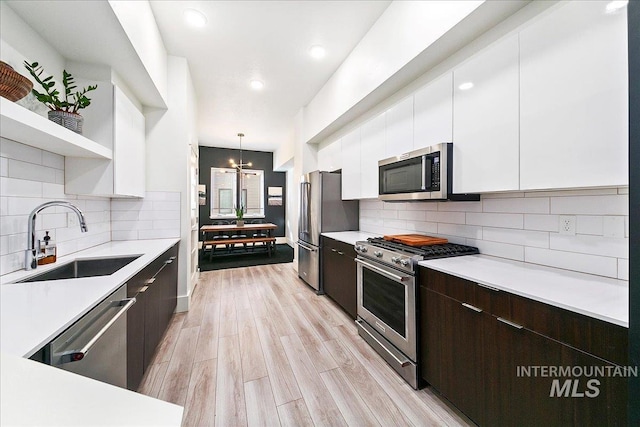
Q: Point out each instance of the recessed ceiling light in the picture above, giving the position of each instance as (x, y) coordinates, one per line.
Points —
(465, 86)
(195, 18)
(256, 84)
(615, 6)
(317, 52)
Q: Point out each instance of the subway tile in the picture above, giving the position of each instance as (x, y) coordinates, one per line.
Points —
(53, 191)
(623, 190)
(93, 217)
(538, 205)
(566, 193)
(412, 215)
(426, 227)
(613, 226)
(59, 177)
(623, 269)
(502, 250)
(52, 160)
(23, 170)
(55, 220)
(594, 245)
(388, 214)
(20, 187)
(541, 222)
(13, 224)
(165, 224)
(453, 239)
(127, 215)
(467, 231)
(395, 206)
(131, 205)
(589, 224)
(371, 204)
(166, 206)
(23, 205)
(422, 206)
(4, 205)
(591, 205)
(13, 243)
(67, 247)
(11, 262)
(124, 235)
(505, 220)
(166, 196)
(4, 166)
(97, 205)
(459, 206)
(363, 213)
(15, 150)
(446, 217)
(395, 223)
(158, 234)
(377, 221)
(592, 264)
(538, 239)
(131, 225)
(626, 226)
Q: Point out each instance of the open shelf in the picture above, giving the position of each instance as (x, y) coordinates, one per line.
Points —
(24, 126)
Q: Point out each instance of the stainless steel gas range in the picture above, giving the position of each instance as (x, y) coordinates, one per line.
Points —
(387, 298)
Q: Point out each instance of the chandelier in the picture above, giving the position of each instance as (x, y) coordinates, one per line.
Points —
(240, 165)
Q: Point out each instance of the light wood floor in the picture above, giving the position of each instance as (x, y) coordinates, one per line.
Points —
(259, 347)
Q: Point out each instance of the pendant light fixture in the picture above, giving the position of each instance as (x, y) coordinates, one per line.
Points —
(240, 165)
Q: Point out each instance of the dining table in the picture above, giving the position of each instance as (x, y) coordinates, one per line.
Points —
(246, 229)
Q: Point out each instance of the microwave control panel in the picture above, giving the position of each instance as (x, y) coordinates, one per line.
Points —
(435, 171)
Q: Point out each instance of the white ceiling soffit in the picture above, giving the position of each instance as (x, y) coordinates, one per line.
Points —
(483, 18)
(264, 40)
(88, 31)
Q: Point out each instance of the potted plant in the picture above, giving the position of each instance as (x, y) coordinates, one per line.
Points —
(61, 111)
(239, 215)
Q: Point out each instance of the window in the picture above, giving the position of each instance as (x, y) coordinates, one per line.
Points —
(225, 183)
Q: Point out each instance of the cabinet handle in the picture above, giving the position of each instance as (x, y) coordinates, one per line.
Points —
(471, 307)
(150, 281)
(333, 250)
(144, 288)
(172, 258)
(514, 325)
(169, 261)
(340, 253)
(488, 287)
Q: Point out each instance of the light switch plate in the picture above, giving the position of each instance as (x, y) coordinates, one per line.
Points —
(72, 219)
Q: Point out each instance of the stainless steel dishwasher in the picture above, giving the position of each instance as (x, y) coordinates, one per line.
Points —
(96, 345)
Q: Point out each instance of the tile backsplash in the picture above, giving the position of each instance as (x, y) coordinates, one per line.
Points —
(523, 226)
(29, 177)
(157, 216)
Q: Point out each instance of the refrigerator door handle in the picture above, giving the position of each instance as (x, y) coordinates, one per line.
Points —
(307, 247)
(304, 221)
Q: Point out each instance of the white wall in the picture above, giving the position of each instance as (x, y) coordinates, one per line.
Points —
(404, 30)
(522, 226)
(169, 135)
(28, 178)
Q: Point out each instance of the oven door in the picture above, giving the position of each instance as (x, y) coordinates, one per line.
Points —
(387, 302)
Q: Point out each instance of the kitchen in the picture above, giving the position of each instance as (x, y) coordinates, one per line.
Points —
(385, 110)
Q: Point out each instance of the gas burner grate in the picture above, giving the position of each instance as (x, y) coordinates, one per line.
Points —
(428, 252)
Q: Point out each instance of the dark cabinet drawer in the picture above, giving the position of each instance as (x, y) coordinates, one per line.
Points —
(339, 274)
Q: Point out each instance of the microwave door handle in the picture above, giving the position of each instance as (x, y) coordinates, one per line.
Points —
(424, 172)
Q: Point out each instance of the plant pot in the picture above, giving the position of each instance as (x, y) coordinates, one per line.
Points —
(71, 121)
(13, 85)
(240, 223)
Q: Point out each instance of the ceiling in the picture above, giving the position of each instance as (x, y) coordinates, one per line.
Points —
(264, 40)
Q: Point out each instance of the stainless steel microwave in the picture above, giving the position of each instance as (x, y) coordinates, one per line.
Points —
(419, 175)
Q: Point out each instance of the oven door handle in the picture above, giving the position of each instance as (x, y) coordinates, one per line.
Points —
(382, 271)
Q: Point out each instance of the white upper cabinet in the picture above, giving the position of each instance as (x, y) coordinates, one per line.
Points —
(351, 165)
(574, 98)
(372, 143)
(330, 157)
(485, 120)
(399, 133)
(123, 131)
(433, 113)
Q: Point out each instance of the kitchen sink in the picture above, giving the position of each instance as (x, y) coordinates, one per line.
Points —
(84, 268)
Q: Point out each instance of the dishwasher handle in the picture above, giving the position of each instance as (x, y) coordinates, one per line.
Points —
(77, 355)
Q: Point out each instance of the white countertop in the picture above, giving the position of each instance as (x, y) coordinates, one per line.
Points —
(34, 394)
(595, 296)
(349, 237)
(31, 314)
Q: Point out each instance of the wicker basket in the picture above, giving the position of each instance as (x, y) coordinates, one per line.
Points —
(13, 85)
(69, 120)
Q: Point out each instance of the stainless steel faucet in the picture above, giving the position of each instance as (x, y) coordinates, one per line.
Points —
(33, 245)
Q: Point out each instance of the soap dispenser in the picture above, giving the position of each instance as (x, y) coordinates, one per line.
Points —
(48, 250)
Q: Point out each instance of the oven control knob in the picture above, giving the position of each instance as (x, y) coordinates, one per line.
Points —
(358, 248)
(404, 262)
(363, 249)
(395, 260)
(378, 254)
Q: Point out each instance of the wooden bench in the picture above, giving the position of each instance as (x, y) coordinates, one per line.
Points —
(270, 242)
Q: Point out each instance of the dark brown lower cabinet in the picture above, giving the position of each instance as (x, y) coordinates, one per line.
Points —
(155, 289)
(499, 373)
(339, 274)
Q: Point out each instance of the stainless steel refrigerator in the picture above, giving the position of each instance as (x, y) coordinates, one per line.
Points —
(321, 210)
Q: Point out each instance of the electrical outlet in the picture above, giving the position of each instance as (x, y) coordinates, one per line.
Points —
(567, 225)
(72, 219)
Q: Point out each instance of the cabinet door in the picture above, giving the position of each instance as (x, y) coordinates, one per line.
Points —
(330, 157)
(574, 98)
(433, 113)
(128, 147)
(399, 132)
(485, 120)
(135, 343)
(152, 316)
(371, 150)
(351, 165)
